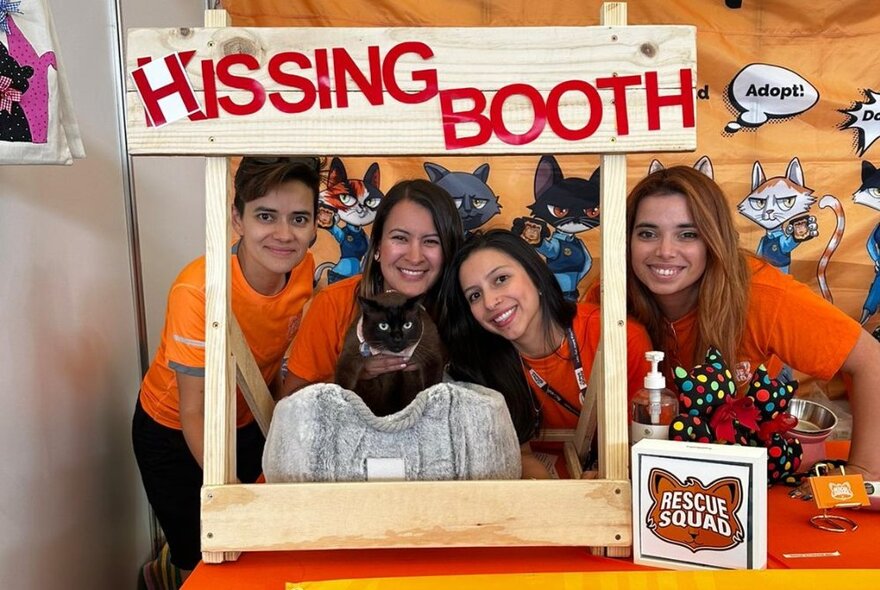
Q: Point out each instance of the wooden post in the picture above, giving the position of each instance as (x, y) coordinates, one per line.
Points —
(594, 513)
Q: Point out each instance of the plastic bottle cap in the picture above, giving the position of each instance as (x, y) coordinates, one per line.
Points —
(655, 380)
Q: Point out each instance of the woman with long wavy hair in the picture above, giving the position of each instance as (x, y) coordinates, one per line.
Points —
(692, 286)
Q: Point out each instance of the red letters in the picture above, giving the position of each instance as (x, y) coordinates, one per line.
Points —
(619, 85)
(428, 77)
(594, 100)
(497, 110)
(452, 118)
(172, 68)
(343, 64)
(292, 80)
(685, 98)
(242, 83)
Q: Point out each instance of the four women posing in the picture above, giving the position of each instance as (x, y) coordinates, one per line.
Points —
(501, 313)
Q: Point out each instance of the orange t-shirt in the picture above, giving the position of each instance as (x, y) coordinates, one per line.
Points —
(786, 323)
(269, 324)
(319, 342)
(558, 371)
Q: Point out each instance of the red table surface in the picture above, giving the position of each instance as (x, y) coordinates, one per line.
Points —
(789, 532)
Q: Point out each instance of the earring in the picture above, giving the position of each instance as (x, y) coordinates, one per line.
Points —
(376, 256)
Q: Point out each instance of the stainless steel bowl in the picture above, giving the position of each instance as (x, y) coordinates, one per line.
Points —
(814, 419)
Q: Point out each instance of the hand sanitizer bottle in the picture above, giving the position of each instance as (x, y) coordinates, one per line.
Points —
(654, 407)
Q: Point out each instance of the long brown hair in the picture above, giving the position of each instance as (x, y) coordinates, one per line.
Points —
(724, 286)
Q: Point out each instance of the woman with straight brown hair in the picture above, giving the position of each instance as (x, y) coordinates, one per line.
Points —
(692, 286)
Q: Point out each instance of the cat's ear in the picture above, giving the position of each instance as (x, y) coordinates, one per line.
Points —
(366, 303)
(372, 175)
(336, 173)
(795, 173)
(757, 175)
(435, 171)
(596, 175)
(868, 170)
(482, 172)
(547, 174)
(704, 165)
(413, 302)
(655, 166)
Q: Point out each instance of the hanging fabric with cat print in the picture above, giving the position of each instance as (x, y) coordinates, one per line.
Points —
(37, 122)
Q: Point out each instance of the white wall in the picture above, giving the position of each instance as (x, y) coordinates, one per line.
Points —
(73, 511)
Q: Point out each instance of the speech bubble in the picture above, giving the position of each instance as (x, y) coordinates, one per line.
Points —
(864, 117)
(761, 92)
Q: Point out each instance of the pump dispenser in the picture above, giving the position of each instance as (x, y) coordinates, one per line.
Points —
(654, 407)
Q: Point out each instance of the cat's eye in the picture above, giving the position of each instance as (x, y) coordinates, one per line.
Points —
(592, 213)
(407, 325)
(874, 192)
(557, 211)
(373, 202)
(757, 203)
(383, 326)
(787, 202)
(347, 200)
(480, 203)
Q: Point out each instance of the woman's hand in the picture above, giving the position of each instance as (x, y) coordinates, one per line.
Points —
(380, 364)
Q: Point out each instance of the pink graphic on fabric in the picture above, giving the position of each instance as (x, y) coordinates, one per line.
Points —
(34, 102)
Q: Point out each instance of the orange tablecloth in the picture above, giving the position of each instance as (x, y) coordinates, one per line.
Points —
(788, 532)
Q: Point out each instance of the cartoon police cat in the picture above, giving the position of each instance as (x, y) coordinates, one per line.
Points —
(476, 202)
(570, 206)
(869, 195)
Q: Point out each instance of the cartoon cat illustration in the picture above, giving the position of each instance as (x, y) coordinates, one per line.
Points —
(353, 202)
(476, 202)
(781, 206)
(869, 195)
(703, 165)
(570, 206)
(690, 514)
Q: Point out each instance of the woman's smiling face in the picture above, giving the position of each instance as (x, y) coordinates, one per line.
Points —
(410, 252)
(667, 253)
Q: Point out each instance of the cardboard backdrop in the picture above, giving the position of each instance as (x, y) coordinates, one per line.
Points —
(784, 92)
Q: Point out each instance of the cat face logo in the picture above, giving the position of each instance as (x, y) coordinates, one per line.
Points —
(841, 491)
(693, 515)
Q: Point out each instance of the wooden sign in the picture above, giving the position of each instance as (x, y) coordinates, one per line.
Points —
(454, 91)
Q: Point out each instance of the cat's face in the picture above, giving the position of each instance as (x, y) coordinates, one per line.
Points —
(391, 321)
(775, 202)
(475, 200)
(568, 204)
(692, 515)
(869, 193)
(354, 200)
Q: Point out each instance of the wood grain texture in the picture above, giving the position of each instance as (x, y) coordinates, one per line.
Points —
(485, 59)
(614, 444)
(249, 378)
(219, 445)
(414, 514)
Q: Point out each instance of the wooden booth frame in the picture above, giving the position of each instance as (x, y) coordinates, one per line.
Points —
(595, 513)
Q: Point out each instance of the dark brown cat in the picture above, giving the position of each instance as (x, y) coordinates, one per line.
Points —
(391, 323)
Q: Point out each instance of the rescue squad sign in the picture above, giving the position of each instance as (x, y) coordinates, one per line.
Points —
(427, 90)
(699, 506)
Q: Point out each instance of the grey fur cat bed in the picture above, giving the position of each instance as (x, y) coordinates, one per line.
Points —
(450, 431)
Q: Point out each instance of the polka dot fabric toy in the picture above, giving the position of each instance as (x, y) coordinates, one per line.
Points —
(710, 412)
(772, 398)
(700, 391)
